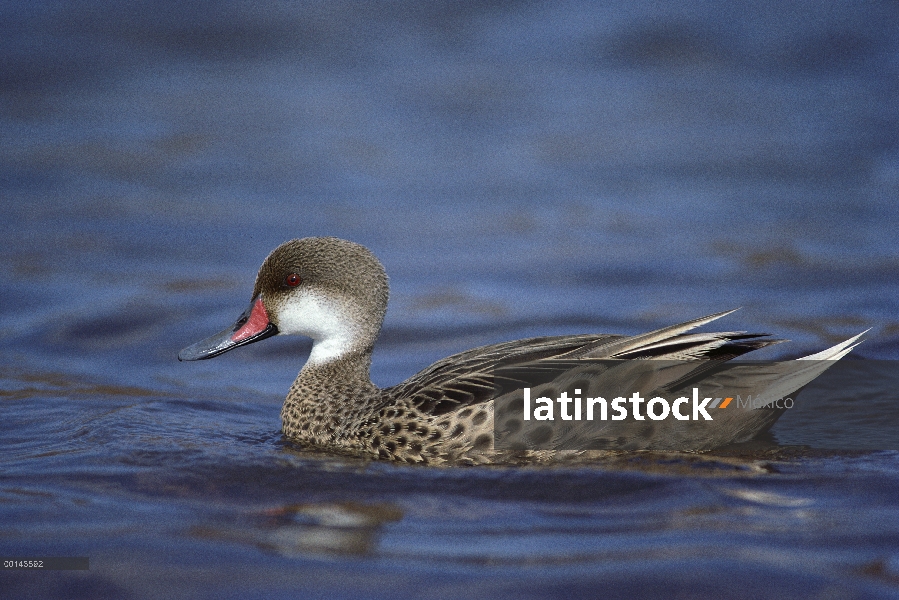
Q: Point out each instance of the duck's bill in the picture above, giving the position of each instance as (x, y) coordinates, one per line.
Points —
(252, 326)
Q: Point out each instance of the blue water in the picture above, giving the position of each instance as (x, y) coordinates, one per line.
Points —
(528, 168)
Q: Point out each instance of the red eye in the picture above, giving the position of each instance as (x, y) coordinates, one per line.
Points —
(293, 280)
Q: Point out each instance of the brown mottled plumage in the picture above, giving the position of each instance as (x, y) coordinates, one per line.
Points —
(336, 292)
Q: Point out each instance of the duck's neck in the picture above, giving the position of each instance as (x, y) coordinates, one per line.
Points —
(330, 401)
(341, 343)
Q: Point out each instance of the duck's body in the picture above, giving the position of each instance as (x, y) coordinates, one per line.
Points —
(335, 292)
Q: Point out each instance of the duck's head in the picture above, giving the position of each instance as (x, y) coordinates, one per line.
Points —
(328, 289)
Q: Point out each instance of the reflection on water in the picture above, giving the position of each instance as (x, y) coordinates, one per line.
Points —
(347, 528)
(521, 169)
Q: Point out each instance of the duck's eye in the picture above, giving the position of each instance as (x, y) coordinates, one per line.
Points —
(293, 280)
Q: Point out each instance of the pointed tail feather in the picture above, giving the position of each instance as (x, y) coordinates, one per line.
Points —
(839, 351)
(781, 379)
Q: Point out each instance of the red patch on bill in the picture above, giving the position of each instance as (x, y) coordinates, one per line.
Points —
(257, 323)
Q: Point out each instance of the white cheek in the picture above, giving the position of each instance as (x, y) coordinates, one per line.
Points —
(321, 319)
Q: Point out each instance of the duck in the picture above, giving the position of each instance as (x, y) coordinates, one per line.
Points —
(336, 292)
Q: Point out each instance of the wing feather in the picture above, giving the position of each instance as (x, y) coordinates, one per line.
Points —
(467, 378)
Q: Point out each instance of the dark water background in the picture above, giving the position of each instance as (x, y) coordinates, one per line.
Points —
(521, 168)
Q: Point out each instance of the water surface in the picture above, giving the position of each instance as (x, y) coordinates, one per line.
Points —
(521, 169)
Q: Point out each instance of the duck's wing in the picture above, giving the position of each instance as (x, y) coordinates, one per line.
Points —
(468, 378)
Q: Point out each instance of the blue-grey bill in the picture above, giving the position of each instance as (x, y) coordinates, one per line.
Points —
(252, 326)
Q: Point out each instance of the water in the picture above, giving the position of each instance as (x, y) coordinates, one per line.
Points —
(521, 169)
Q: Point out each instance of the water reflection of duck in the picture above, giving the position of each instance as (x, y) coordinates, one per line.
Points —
(336, 291)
